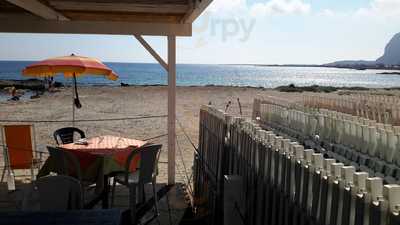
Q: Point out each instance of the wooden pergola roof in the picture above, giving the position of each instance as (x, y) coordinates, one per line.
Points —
(141, 17)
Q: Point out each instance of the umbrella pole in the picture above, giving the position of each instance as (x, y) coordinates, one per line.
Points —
(73, 104)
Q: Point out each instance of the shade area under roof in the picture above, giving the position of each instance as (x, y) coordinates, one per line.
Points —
(169, 18)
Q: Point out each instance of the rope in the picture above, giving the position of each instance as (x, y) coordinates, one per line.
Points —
(10, 165)
(45, 152)
(186, 135)
(85, 120)
(162, 135)
(188, 177)
(193, 145)
(184, 166)
(23, 149)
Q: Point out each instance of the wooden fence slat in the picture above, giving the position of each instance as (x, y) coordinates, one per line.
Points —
(283, 184)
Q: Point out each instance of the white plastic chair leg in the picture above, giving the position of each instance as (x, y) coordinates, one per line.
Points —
(132, 203)
(113, 192)
(153, 184)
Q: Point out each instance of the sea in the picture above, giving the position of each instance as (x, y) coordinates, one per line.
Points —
(225, 75)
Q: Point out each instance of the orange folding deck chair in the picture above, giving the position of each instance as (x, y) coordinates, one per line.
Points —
(19, 149)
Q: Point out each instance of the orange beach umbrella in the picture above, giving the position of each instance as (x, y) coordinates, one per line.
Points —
(70, 66)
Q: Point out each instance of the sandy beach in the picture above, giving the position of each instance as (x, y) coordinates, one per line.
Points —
(121, 102)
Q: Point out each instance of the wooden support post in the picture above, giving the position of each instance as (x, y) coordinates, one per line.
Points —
(171, 107)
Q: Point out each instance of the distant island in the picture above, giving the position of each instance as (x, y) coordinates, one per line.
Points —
(389, 61)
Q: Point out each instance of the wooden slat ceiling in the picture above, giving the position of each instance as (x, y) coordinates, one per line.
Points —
(162, 11)
(6, 7)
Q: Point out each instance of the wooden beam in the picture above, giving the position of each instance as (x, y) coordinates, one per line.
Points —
(119, 7)
(123, 17)
(198, 8)
(171, 108)
(94, 27)
(152, 51)
(39, 9)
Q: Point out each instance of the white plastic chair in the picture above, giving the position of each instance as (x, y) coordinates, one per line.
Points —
(53, 193)
(146, 173)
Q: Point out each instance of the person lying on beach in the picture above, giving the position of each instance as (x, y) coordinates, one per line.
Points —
(51, 84)
(13, 93)
(36, 95)
(46, 83)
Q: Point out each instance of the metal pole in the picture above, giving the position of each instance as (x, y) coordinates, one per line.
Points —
(73, 104)
(171, 107)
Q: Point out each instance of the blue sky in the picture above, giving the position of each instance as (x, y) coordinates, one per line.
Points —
(242, 31)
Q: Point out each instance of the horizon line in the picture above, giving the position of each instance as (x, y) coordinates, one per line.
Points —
(233, 64)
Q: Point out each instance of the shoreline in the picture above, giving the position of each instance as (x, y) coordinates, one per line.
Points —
(36, 85)
(31, 96)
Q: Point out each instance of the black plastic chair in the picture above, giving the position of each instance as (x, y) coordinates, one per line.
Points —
(66, 135)
(65, 163)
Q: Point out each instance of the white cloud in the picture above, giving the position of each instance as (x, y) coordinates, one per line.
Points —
(381, 8)
(327, 12)
(227, 5)
(274, 7)
(270, 7)
(376, 10)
